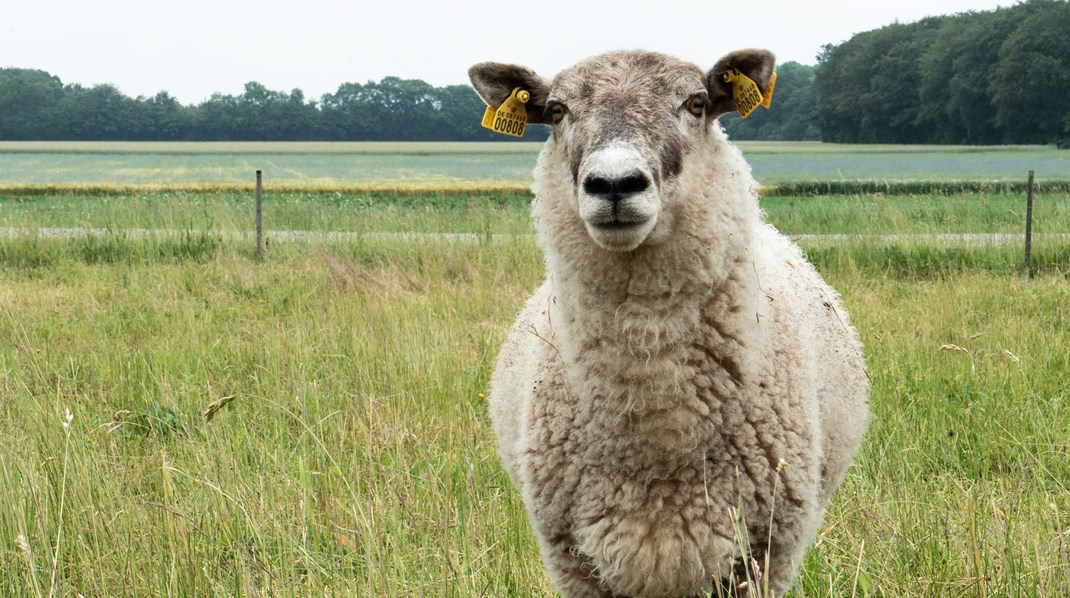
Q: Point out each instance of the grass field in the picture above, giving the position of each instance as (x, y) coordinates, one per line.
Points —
(464, 165)
(178, 419)
(506, 213)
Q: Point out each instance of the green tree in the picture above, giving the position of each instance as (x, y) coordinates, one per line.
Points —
(1030, 85)
(1001, 76)
(351, 114)
(300, 118)
(841, 81)
(28, 104)
(218, 119)
(98, 113)
(161, 118)
(953, 78)
(258, 109)
(868, 86)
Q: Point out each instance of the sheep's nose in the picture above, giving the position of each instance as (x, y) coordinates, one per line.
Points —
(616, 189)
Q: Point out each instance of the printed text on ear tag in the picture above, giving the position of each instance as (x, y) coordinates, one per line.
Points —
(511, 117)
(745, 92)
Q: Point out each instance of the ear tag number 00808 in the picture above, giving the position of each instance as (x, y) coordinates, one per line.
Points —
(745, 92)
(511, 117)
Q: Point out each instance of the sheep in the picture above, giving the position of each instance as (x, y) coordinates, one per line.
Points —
(679, 400)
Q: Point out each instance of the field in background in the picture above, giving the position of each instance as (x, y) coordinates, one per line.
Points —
(473, 165)
(478, 213)
(452, 147)
(179, 419)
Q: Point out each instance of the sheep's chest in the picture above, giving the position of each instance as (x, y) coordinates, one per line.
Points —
(632, 493)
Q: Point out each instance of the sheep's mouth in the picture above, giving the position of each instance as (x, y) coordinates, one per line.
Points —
(617, 225)
(620, 234)
(618, 218)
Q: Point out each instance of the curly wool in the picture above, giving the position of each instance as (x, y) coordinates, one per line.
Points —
(647, 402)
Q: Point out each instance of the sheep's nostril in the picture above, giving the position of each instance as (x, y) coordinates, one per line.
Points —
(635, 183)
(616, 189)
(597, 186)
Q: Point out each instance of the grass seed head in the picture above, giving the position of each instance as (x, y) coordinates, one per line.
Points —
(215, 406)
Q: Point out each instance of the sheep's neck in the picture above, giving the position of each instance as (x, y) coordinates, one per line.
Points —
(632, 359)
(643, 308)
(629, 323)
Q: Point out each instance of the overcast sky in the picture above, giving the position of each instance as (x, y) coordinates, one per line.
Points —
(194, 48)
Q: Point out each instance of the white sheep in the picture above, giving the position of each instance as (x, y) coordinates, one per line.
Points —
(680, 399)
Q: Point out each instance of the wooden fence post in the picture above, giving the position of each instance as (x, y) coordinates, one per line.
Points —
(260, 201)
(1029, 226)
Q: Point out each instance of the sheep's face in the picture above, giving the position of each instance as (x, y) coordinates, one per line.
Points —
(626, 123)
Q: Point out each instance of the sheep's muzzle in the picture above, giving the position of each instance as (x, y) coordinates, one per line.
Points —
(618, 199)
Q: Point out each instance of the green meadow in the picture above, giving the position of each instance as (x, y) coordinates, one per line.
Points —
(308, 166)
(178, 418)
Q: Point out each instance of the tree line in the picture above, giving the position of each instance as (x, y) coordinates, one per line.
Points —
(35, 105)
(992, 77)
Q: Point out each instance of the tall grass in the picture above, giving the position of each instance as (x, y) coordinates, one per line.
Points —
(31, 251)
(349, 452)
(961, 488)
(934, 186)
(911, 259)
(876, 214)
(508, 212)
(505, 213)
(355, 455)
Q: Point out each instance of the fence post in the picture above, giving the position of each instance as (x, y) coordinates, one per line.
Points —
(1029, 226)
(260, 201)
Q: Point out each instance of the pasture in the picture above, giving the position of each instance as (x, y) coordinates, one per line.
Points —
(177, 418)
(308, 166)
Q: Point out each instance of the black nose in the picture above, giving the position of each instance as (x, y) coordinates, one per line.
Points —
(616, 189)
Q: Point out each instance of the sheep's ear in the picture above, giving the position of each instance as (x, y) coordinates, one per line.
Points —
(494, 82)
(754, 63)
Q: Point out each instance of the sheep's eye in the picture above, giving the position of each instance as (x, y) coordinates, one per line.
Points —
(697, 105)
(556, 111)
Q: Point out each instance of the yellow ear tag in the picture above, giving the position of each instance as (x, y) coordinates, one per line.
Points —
(745, 92)
(511, 117)
(767, 97)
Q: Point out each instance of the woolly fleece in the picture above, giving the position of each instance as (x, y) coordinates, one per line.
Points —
(647, 402)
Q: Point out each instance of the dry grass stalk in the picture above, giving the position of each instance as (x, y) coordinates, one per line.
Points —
(215, 406)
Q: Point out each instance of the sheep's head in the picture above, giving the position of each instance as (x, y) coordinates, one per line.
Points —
(626, 122)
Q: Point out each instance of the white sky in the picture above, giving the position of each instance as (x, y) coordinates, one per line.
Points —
(194, 48)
